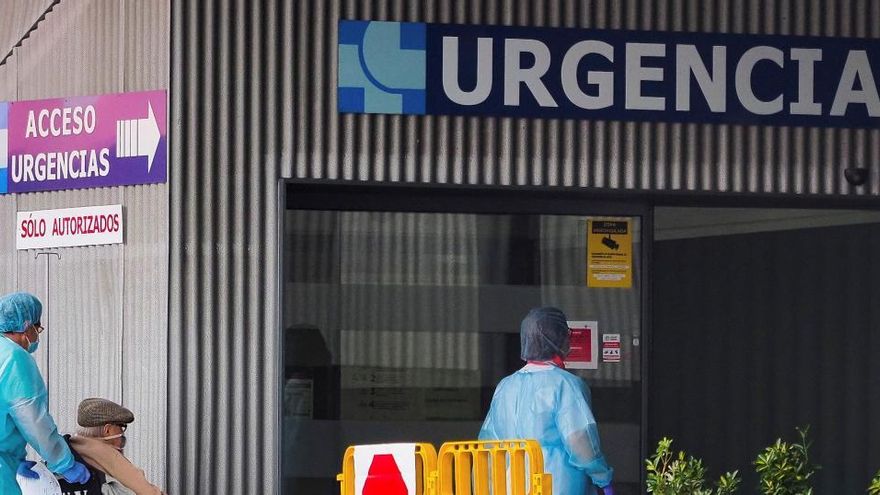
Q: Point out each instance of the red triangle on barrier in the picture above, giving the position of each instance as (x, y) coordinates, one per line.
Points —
(384, 477)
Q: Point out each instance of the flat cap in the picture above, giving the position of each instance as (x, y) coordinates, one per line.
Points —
(100, 412)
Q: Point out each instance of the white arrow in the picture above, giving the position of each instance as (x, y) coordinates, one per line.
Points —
(138, 137)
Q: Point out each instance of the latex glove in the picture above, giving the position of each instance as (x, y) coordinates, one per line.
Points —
(608, 490)
(24, 469)
(77, 473)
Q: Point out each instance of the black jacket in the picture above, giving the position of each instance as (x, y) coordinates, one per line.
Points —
(91, 487)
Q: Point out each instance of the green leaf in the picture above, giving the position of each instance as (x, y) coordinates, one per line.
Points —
(784, 468)
(677, 473)
(874, 488)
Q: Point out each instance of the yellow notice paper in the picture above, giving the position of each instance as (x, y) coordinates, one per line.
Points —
(609, 253)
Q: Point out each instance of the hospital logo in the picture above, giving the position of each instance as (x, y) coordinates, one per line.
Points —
(4, 145)
(381, 67)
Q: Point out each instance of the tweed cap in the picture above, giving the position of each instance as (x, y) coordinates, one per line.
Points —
(100, 412)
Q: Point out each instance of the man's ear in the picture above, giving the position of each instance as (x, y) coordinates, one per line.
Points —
(105, 431)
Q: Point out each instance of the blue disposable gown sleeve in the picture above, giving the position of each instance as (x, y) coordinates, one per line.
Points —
(580, 435)
(29, 408)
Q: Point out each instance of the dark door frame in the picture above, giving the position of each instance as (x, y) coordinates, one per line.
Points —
(310, 195)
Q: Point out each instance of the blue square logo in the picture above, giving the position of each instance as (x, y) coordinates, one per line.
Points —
(381, 67)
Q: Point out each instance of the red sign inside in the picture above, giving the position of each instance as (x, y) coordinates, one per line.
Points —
(384, 477)
(581, 345)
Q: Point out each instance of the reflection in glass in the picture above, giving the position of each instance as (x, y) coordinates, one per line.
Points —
(398, 326)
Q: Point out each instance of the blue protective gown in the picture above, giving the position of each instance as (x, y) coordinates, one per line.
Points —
(24, 417)
(551, 405)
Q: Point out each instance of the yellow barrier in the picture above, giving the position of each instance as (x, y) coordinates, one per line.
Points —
(426, 471)
(471, 468)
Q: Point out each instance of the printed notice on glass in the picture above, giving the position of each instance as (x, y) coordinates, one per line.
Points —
(299, 394)
(611, 348)
(609, 253)
(584, 342)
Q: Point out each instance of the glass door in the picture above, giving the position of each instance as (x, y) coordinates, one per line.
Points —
(398, 325)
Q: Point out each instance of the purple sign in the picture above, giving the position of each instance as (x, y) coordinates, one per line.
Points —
(88, 141)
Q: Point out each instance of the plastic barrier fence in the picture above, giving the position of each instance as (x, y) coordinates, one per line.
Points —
(425, 473)
(508, 467)
(514, 467)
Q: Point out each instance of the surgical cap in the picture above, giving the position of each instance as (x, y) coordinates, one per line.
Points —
(19, 311)
(543, 334)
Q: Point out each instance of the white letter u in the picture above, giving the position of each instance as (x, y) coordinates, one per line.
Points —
(450, 72)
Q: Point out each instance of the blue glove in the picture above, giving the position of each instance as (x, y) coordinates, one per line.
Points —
(608, 490)
(25, 470)
(77, 474)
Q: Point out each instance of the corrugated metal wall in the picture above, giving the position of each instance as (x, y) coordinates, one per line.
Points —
(770, 331)
(629, 156)
(225, 139)
(19, 16)
(254, 97)
(106, 306)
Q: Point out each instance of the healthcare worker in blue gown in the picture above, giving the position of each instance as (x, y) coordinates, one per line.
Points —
(24, 408)
(544, 402)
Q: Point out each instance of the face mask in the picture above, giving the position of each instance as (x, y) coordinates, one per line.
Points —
(32, 346)
(113, 437)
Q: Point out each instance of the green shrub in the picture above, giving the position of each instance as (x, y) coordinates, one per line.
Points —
(680, 474)
(785, 469)
(874, 489)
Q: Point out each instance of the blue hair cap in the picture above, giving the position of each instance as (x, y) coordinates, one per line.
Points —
(543, 334)
(18, 311)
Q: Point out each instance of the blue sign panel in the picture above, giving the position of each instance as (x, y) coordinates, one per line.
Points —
(415, 68)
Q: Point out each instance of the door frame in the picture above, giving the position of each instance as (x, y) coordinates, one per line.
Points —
(311, 195)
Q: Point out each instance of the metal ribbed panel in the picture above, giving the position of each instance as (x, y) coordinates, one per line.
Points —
(18, 18)
(78, 326)
(8, 256)
(147, 44)
(629, 156)
(9, 79)
(223, 323)
(145, 64)
(108, 310)
(236, 63)
(51, 59)
(769, 331)
(145, 324)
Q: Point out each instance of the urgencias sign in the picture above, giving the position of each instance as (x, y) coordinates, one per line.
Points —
(415, 68)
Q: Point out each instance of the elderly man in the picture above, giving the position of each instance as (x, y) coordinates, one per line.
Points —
(99, 442)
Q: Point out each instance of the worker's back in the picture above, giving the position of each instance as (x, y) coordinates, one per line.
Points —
(551, 405)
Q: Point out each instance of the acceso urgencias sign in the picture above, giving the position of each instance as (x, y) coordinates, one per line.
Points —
(85, 141)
